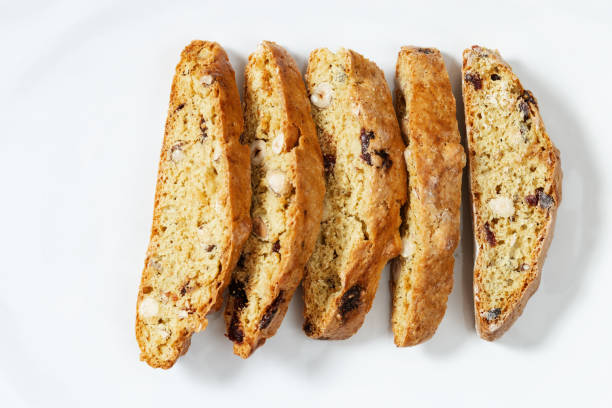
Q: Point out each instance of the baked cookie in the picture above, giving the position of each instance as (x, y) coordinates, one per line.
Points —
(422, 276)
(201, 214)
(515, 176)
(288, 190)
(365, 179)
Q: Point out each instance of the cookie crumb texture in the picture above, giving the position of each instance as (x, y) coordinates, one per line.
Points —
(422, 276)
(288, 191)
(200, 219)
(516, 188)
(365, 179)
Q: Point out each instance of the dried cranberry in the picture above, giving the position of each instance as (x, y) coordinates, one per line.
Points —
(237, 291)
(329, 161)
(350, 300)
(524, 108)
(210, 247)
(495, 77)
(425, 50)
(234, 332)
(271, 311)
(532, 200)
(474, 78)
(276, 247)
(365, 144)
(183, 290)
(489, 235)
(181, 106)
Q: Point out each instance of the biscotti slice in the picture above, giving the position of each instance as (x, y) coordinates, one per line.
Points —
(515, 177)
(365, 179)
(288, 189)
(422, 276)
(201, 215)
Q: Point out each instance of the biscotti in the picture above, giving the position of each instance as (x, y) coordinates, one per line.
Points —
(422, 276)
(515, 176)
(201, 214)
(288, 189)
(365, 179)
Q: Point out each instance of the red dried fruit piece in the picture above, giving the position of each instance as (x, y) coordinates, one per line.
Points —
(271, 311)
(276, 247)
(350, 300)
(234, 332)
(237, 291)
(495, 77)
(425, 50)
(489, 234)
(524, 108)
(532, 200)
(329, 161)
(365, 138)
(474, 79)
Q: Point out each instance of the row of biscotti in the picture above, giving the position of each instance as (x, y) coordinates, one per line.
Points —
(202, 222)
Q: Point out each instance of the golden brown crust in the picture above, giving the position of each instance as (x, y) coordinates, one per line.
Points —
(301, 156)
(383, 192)
(422, 276)
(543, 154)
(198, 59)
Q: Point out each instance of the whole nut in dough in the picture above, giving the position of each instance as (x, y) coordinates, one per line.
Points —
(148, 308)
(278, 143)
(207, 79)
(322, 95)
(258, 151)
(277, 180)
(502, 206)
(176, 153)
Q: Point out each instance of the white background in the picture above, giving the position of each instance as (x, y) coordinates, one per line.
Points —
(83, 96)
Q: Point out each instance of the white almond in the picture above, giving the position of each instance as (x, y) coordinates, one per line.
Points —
(322, 95)
(148, 308)
(176, 153)
(258, 151)
(502, 206)
(207, 79)
(407, 247)
(277, 180)
(278, 143)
